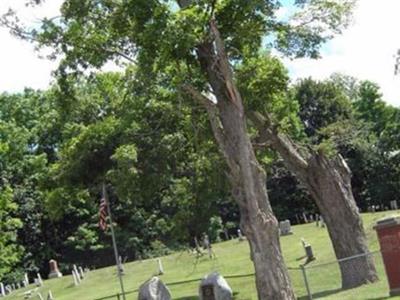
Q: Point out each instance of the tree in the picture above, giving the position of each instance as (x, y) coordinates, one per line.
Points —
(193, 48)
(322, 170)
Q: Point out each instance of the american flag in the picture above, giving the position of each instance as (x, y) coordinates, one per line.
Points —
(103, 213)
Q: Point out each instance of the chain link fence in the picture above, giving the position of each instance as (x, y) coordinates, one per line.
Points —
(325, 280)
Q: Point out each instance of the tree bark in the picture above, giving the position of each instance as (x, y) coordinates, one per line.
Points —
(247, 178)
(328, 181)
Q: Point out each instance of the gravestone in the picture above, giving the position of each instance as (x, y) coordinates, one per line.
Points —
(311, 218)
(39, 280)
(317, 220)
(26, 279)
(2, 290)
(393, 205)
(240, 235)
(54, 271)
(154, 289)
(285, 228)
(75, 278)
(8, 289)
(78, 277)
(18, 285)
(309, 252)
(321, 221)
(207, 245)
(305, 218)
(82, 274)
(160, 267)
(214, 287)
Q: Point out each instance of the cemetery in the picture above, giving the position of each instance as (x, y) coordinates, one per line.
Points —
(199, 149)
(184, 274)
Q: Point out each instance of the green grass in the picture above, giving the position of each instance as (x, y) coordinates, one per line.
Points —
(183, 272)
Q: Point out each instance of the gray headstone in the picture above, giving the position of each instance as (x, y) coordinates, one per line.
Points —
(154, 289)
(285, 227)
(214, 287)
(393, 205)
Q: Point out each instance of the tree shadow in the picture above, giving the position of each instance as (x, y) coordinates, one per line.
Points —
(321, 294)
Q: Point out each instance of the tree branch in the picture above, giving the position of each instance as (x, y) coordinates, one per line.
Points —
(279, 142)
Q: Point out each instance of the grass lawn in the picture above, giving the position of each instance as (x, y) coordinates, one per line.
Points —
(183, 272)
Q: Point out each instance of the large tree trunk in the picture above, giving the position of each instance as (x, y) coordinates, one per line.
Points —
(246, 176)
(328, 181)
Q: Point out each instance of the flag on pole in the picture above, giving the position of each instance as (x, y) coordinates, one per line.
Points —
(103, 213)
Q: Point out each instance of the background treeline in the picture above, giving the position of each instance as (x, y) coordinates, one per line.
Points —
(166, 180)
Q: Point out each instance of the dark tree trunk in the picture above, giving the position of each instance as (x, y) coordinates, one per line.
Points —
(247, 178)
(328, 181)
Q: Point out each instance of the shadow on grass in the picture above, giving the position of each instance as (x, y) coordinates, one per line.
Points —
(321, 294)
(235, 295)
(199, 279)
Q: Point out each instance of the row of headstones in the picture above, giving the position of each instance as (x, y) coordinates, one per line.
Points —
(9, 288)
(212, 286)
(374, 208)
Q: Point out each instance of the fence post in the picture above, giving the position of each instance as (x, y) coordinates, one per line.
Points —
(303, 270)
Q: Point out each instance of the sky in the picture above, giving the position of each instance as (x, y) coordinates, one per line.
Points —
(366, 50)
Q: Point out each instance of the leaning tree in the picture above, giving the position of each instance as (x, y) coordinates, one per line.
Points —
(194, 45)
(324, 173)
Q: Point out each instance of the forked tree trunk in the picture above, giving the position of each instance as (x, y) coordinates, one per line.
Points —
(246, 176)
(328, 181)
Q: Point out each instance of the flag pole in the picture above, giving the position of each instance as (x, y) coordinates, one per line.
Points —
(118, 262)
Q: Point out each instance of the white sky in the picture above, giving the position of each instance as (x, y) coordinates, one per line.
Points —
(365, 51)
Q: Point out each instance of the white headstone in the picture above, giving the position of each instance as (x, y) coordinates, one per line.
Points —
(160, 267)
(393, 205)
(77, 273)
(40, 281)
(214, 286)
(154, 289)
(321, 221)
(81, 272)
(26, 279)
(8, 289)
(50, 296)
(74, 276)
(240, 235)
(2, 290)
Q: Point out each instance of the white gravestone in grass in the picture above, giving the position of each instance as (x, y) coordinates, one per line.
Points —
(2, 290)
(77, 274)
(81, 272)
(39, 280)
(154, 289)
(160, 267)
(75, 278)
(214, 287)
